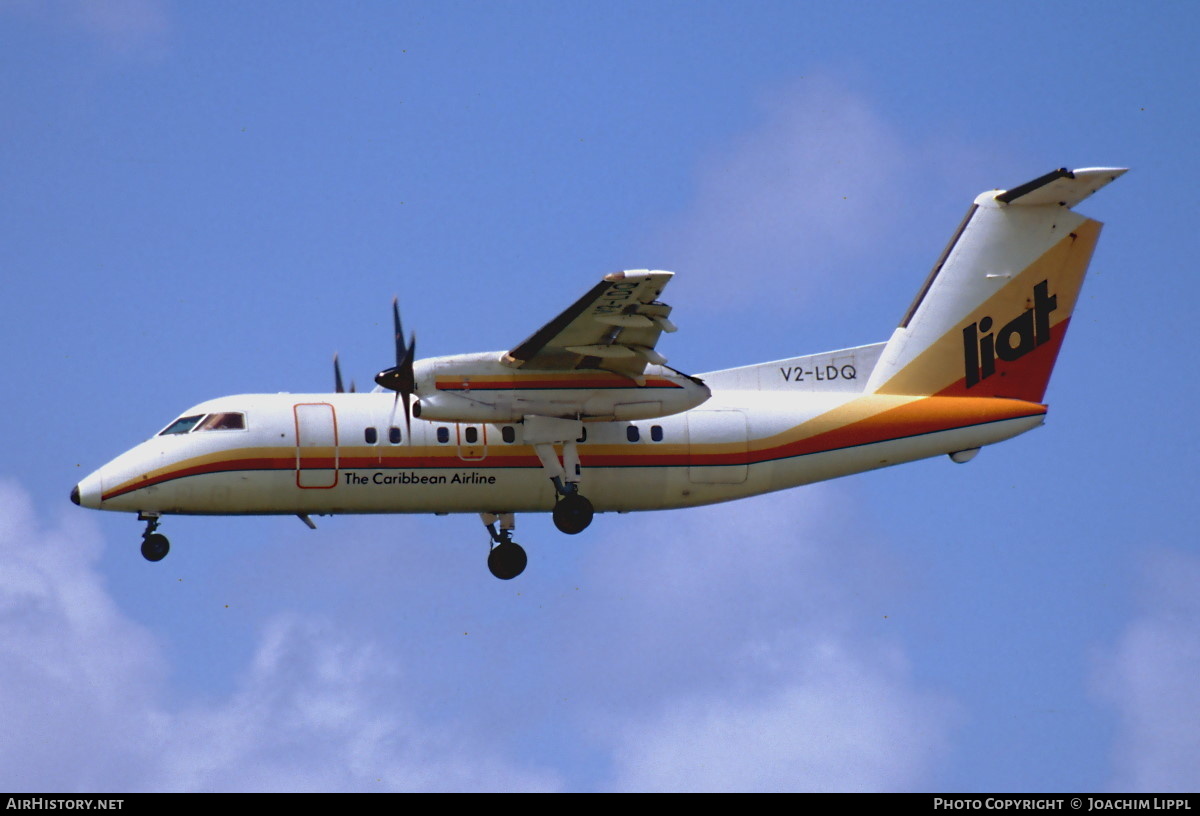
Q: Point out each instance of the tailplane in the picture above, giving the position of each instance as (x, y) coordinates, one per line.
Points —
(991, 317)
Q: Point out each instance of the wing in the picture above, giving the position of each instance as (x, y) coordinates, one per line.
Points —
(615, 327)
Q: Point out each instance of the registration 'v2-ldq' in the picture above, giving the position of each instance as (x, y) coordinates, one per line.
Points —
(585, 416)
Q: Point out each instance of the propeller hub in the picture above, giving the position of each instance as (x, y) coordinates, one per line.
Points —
(397, 379)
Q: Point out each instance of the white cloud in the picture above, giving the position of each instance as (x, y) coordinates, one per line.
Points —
(1150, 677)
(319, 712)
(820, 181)
(834, 724)
(123, 27)
(83, 689)
(78, 681)
(820, 220)
(765, 672)
(717, 648)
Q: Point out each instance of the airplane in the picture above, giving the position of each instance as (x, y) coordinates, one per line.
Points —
(586, 416)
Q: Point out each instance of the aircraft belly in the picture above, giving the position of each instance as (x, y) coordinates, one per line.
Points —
(832, 464)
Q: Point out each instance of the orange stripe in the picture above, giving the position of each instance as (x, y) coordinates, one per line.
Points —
(916, 418)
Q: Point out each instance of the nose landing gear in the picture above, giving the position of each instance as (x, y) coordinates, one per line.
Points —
(155, 546)
(507, 558)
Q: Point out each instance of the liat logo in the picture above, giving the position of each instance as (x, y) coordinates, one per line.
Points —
(1012, 341)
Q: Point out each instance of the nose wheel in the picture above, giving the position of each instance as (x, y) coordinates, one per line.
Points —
(155, 546)
(507, 558)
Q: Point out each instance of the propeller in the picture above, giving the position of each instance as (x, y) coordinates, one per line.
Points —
(400, 377)
(337, 377)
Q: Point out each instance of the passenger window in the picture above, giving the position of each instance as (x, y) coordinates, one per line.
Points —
(223, 422)
(509, 434)
(181, 425)
(656, 433)
(632, 433)
(370, 436)
(443, 435)
(471, 435)
(394, 435)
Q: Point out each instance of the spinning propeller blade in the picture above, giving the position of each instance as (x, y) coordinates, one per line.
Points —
(337, 377)
(400, 377)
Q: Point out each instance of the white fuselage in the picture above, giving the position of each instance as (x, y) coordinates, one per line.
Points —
(313, 454)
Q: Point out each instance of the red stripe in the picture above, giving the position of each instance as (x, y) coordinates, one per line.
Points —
(917, 418)
(564, 383)
(273, 463)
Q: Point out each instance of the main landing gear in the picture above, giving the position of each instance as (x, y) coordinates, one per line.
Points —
(572, 512)
(155, 546)
(507, 558)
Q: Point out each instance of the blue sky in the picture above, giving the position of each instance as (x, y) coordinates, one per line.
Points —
(207, 199)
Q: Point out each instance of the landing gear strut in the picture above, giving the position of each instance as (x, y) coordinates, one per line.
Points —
(507, 558)
(572, 511)
(155, 546)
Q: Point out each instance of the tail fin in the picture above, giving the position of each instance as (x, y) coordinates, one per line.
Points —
(991, 317)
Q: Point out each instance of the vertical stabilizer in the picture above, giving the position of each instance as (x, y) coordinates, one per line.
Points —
(991, 317)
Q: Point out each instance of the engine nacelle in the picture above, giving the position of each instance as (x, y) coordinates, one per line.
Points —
(479, 388)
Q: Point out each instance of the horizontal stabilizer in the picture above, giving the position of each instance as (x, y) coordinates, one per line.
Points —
(1063, 187)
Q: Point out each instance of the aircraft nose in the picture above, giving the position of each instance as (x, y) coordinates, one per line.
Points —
(87, 492)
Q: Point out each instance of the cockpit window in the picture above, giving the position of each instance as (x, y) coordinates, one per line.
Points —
(181, 425)
(223, 422)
